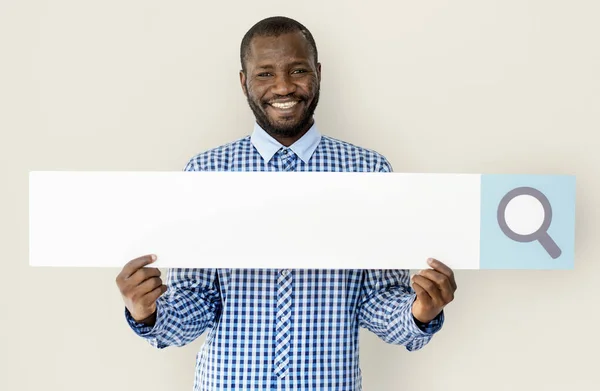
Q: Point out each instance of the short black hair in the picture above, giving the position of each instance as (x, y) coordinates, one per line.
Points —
(274, 27)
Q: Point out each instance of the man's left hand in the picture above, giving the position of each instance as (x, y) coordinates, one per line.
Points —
(435, 288)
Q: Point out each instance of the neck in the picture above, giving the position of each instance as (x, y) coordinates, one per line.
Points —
(286, 141)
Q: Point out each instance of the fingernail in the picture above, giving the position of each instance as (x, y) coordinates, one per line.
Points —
(429, 261)
(153, 257)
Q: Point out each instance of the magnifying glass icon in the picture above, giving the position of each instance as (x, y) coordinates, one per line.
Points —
(541, 233)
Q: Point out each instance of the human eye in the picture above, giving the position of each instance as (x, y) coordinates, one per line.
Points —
(299, 71)
(264, 74)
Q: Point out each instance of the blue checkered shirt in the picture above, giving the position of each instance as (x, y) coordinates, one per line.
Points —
(284, 329)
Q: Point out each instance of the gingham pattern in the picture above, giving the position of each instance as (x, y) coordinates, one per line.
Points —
(283, 324)
(285, 329)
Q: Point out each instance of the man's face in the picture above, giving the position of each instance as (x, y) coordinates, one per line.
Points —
(282, 83)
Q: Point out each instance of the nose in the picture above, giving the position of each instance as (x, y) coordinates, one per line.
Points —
(283, 85)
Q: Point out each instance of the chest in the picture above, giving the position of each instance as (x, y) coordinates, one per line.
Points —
(306, 289)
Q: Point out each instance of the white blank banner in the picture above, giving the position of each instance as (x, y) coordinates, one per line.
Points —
(254, 219)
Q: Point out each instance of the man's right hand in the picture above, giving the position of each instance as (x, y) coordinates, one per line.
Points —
(140, 287)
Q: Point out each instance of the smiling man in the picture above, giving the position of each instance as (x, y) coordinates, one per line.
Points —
(283, 329)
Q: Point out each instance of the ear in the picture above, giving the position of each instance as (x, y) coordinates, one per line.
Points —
(319, 71)
(243, 83)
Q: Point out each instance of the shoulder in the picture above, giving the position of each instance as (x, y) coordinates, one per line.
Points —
(355, 156)
(219, 158)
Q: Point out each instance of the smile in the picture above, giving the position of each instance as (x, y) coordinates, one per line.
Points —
(284, 105)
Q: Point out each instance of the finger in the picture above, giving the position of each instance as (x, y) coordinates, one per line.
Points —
(442, 281)
(429, 286)
(422, 293)
(153, 295)
(141, 275)
(149, 285)
(132, 266)
(444, 269)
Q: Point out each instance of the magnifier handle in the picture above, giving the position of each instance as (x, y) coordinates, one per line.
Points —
(550, 246)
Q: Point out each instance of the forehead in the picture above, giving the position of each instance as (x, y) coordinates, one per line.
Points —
(286, 47)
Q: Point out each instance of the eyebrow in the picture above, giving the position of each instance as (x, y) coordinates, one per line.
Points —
(293, 64)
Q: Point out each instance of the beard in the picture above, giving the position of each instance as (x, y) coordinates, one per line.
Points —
(290, 129)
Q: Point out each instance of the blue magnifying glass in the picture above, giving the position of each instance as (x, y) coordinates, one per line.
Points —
(541, 234)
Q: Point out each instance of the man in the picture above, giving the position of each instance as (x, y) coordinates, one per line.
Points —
(283, 329)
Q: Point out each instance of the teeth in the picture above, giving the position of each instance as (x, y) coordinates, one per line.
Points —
(285, 105)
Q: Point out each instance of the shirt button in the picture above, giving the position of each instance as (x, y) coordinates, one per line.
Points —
(285, 272)
(285, 151)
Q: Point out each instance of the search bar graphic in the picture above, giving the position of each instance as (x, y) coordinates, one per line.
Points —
(311, 220)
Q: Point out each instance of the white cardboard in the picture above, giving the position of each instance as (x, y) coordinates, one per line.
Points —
(254, 219)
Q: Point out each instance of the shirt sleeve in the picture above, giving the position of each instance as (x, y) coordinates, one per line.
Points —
(386, 309)
(191, 305)
(384, 165)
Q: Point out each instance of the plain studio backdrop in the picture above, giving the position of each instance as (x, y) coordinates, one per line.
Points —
(463, 86)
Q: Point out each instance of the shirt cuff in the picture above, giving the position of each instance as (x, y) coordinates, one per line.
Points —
(431, 327)
(424, 329)
(144, 330)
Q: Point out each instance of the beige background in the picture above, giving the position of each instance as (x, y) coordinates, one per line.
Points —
(437, 86)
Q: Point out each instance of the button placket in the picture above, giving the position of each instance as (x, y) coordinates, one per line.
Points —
(283, 324)
(288, 160)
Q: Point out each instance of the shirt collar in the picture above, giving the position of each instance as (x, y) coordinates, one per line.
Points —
(267, 146)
